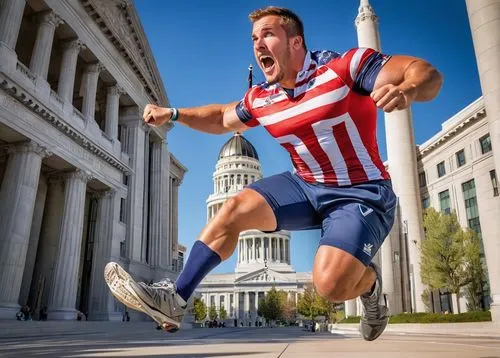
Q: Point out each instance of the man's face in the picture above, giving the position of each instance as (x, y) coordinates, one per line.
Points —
(271, 48)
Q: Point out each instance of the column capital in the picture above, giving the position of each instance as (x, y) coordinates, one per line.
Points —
(79, 174)
(74, 44)
(146, 127)
(49, 17)
(94, 67)
(27, 147)
(116, 90)
(102, 194)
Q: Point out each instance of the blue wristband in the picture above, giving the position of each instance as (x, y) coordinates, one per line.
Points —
(175, 114)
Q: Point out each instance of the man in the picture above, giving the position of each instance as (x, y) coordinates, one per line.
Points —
(321, 107)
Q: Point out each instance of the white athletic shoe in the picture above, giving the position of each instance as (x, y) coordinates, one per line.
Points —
(159, 300)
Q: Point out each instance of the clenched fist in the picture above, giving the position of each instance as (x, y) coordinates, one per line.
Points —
(156, 116)
(390, 97)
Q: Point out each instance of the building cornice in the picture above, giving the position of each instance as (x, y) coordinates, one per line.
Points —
(119, 21)
(464, 119)
(35, 106)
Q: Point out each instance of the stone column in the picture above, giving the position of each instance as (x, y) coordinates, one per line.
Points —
(175, 210)
(99, 292)
(168, 248)
(112, 111)
(36, 226)
(256, 302)
(136, 137)
(48, 243)
(40, 58)
(65, 87)
(236, 305)
(19, 188)
(90, 78)
(484, 18)
(402, 159)
(394, 299)
(350, 308)
(65, 282)
(246, 306)
(11, 15)
(156, 214)
(146, 197)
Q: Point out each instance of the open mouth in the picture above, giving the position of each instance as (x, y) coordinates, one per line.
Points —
(267, 63)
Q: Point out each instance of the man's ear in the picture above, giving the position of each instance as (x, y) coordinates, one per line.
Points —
(297, 42)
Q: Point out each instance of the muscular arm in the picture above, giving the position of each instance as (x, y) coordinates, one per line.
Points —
(404, 79)
(213, 118)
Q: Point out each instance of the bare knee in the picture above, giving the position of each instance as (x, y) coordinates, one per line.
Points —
(334, 289)
(336, 273)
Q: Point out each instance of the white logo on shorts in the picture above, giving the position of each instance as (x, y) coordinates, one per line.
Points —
(365, 210)
(367, 249)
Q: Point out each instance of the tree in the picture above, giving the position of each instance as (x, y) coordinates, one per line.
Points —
(474, 290)
(309, 304)
(288, 307)
(448, 253)
(271, 306)
(212, 313)
(200, 310)
(222, 313)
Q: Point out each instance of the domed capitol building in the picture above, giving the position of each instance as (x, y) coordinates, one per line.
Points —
(263, 259)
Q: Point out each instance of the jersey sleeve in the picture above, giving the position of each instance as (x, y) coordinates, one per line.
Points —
(359, 68)
(244, 110)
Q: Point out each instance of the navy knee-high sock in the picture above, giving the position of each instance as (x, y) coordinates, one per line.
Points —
(201, 261)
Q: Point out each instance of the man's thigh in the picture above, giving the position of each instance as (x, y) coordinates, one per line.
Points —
(291, 206)
(356, 229)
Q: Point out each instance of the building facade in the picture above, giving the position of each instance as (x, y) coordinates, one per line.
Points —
(83, 180)
(263, 259)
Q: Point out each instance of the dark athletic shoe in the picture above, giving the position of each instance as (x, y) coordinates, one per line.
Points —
(375, 316)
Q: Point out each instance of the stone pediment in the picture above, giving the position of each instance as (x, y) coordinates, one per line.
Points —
(266, 275)
(119, 20)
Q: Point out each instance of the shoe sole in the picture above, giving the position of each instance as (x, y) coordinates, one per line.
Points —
(118, 281)
(369, 339)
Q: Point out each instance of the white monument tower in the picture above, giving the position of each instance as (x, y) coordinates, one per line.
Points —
(401, 154)
(484, 18)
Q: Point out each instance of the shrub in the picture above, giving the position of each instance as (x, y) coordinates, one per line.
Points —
(475, 316)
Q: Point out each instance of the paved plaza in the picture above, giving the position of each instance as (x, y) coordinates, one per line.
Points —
(116, 339)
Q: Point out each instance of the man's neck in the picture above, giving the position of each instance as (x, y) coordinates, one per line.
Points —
(296, 66)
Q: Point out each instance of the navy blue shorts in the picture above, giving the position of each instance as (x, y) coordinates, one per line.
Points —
(354, 218)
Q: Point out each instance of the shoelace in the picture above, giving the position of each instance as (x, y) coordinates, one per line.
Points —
(162, 284)
(155, 294)
(371, 309)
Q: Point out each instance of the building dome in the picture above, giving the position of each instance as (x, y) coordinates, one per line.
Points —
(238, 145)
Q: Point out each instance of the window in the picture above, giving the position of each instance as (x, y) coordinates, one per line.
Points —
(494, 182)
(441, 169)
(471, 208)
(421, 179)
(426, 202)
(460, 158)
(444, 201)
(485, 142)
(122, 210)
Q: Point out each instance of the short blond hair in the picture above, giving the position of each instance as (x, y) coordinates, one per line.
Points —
(291, 23)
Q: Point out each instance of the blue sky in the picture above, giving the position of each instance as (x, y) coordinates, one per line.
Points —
(203, 49)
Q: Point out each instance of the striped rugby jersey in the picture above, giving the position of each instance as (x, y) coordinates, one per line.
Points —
(329, 123)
